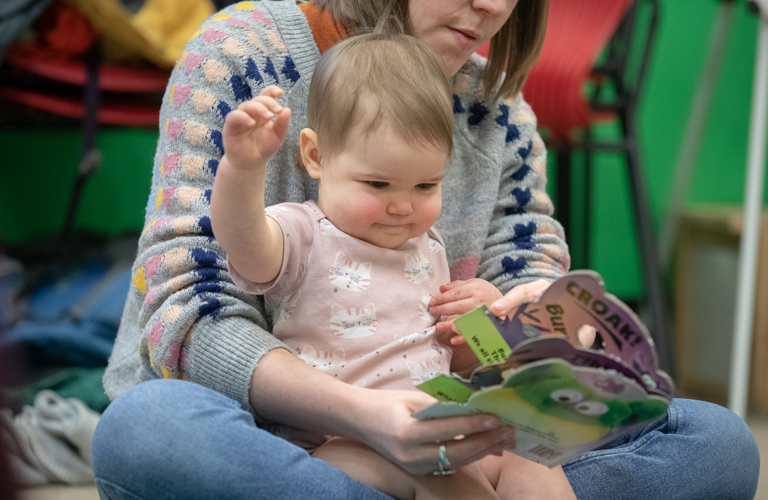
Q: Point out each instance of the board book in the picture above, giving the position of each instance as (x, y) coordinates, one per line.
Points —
(564, 399)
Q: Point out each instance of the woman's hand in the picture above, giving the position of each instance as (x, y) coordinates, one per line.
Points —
(250, 136)
(526, 293)
(285, 389)
(518, 295)
(389, 428)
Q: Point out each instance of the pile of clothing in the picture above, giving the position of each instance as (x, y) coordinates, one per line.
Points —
(50, 441)
(57, 327)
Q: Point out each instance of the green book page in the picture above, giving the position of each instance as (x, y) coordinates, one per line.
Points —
(445, 388)
(483, 337)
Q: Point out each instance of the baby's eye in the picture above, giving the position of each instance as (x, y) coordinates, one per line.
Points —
(378, 184)
(425, 186)
(567, 396)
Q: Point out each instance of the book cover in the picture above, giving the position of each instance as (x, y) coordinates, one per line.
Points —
(563, 398)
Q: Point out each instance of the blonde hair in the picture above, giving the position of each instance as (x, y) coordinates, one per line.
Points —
(371, 80)
(514, 48)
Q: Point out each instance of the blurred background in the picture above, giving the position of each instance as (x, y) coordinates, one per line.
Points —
(76, 167)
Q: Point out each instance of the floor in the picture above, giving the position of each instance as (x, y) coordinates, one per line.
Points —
(61, 493)
(759, 426)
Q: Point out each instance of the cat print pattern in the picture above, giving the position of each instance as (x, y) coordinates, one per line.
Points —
(322, 360)
(353, 323)
(418, 268)
(424, 307)
(416, 337)
(281, 307)
(348, 274)
(424, 370)
(358, 312)
(435, 246)
(326, 228)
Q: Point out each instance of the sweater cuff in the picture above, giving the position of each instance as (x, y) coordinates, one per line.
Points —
(224, 353)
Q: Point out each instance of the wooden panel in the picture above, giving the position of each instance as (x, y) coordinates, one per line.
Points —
(719, 228)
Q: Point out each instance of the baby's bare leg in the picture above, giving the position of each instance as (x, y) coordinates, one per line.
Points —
(366, 465)
(516, 478)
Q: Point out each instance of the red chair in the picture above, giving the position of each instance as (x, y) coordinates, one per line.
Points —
(87, 90)
(566, 90)
(122, 103)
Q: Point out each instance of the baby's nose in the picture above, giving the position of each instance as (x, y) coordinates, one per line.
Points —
(400, 207)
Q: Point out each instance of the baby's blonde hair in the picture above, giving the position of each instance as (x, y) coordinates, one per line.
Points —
(372, 80)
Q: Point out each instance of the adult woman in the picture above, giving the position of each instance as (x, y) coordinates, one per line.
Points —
(189, 321)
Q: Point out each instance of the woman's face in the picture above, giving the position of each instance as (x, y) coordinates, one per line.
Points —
(454, 29)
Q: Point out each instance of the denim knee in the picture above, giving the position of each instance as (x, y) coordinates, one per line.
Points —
(728, 443)
(701, 451)
(176, 439)
(130, 442)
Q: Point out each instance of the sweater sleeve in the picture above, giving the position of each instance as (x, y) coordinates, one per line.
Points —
(524, 242)
(195, 323)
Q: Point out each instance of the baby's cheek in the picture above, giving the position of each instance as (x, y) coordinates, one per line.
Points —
(430, 211)
(367, 209)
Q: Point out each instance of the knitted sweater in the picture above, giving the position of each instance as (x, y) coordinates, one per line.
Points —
(185, 318)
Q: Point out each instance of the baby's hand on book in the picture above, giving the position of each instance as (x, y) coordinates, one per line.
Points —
(461, 296)
(457, 298)
(250, 136)
(446, 324)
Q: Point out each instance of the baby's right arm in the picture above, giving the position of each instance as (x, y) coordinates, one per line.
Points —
(253, 241)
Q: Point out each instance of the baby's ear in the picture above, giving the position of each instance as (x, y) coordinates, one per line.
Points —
(310, 154)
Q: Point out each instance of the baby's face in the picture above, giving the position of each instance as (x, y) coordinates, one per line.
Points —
(381, 189)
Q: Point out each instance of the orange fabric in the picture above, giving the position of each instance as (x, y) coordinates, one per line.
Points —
(326, 30)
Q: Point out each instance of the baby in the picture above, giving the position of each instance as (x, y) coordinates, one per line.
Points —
(347, 281)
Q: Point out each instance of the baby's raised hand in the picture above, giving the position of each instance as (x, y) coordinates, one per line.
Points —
(250, 135)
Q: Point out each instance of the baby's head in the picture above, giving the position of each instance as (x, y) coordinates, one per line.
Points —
(380, 130)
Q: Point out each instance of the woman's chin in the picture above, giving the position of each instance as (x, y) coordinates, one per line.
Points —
(452, 64)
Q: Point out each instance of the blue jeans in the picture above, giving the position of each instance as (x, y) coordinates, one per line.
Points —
(168, 439)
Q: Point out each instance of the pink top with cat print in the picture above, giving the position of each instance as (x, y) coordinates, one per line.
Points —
(354, 310)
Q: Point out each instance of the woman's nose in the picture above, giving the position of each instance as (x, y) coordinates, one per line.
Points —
(492, 7)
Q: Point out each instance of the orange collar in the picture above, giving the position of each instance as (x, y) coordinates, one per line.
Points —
(326, 30)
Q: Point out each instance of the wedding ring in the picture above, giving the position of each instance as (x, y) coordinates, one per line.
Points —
(443, 463)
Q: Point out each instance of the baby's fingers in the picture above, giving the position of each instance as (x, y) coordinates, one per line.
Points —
(280, 127)
(459, 307)
(458, 340)
(447, 325)
(261, 108)
(238, 119)
(247, 117)
(272, 91)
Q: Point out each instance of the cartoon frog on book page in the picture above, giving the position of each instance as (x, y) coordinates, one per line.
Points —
(575, 405)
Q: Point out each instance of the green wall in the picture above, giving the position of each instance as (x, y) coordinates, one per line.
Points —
(38, 165)
(685, 29)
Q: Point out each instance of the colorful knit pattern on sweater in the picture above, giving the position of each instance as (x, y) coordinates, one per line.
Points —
(187, 317)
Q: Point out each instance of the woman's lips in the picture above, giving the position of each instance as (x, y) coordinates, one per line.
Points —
(465, 39)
